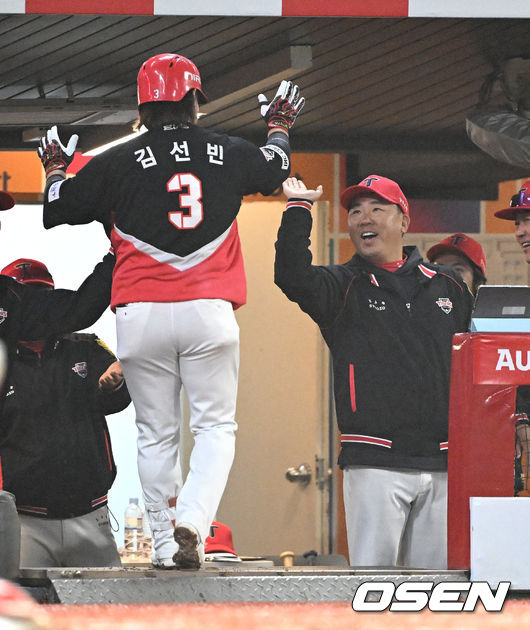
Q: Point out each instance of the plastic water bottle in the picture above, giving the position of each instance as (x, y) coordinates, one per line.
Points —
(133, 527)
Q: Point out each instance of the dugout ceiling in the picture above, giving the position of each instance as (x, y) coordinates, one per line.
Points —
(391, 93)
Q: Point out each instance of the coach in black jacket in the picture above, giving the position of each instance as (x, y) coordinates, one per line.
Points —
(26, 313)
(388, 319)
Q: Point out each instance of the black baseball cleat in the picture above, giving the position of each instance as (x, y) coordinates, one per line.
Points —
(190, 553)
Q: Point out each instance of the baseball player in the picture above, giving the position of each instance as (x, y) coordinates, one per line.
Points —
(463, 254)
(27, 313)
(171, 197)
(388, 318)
(57, 456)
(519, 213)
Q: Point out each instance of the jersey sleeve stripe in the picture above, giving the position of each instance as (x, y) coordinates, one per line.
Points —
(299, 203)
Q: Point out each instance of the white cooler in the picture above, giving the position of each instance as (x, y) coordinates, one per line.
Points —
(500, 541)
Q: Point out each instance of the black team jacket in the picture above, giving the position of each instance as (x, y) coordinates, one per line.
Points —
(55, 452)
(390, 338)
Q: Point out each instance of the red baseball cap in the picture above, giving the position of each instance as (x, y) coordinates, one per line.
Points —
(382, 186)
(520, 201)
(219, 540)
(6, 200)
(29, 271)
(461, 244)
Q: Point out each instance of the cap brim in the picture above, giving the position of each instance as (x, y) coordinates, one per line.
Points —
(6, 200)
(350, 193)
(436, 250)
(219, 548)
(509, 213)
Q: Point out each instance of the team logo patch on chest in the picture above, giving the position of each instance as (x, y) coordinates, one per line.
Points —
(378, 305)
(445, 304)
(3, 314)
(81, 369)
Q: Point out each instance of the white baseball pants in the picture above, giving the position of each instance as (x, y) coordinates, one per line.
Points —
(82, 541)
(396, 517)
(164, 346)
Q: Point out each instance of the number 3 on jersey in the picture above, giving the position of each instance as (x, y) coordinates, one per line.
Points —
(192, 201)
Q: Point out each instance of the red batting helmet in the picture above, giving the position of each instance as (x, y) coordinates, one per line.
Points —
(520, 201)
(29, 271)
(461, 244)
(168, 77)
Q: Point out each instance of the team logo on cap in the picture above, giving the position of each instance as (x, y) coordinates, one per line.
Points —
(456, 239)
(212, 530)
(81, 369)
(3, 315)
(445, 304)
(368, 181)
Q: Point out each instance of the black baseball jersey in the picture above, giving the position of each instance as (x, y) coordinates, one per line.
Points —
(171, 197)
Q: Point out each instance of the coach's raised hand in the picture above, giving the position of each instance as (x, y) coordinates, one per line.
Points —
(282, 111)
(54, 155)
(294, 188)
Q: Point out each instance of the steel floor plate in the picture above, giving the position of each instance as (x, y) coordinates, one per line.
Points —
(213, 584)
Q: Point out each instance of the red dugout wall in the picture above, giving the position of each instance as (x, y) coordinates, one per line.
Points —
(486, 369)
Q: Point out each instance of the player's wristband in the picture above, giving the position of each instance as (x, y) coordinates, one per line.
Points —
(57, 165)
(298, 202)
(279, 139)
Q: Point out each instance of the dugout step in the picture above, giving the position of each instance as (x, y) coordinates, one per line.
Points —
(213, 584)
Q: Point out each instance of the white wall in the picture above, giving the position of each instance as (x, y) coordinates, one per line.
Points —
(70, 253)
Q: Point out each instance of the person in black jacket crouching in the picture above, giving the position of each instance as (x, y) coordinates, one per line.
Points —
(388, 319)
(56, 453)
